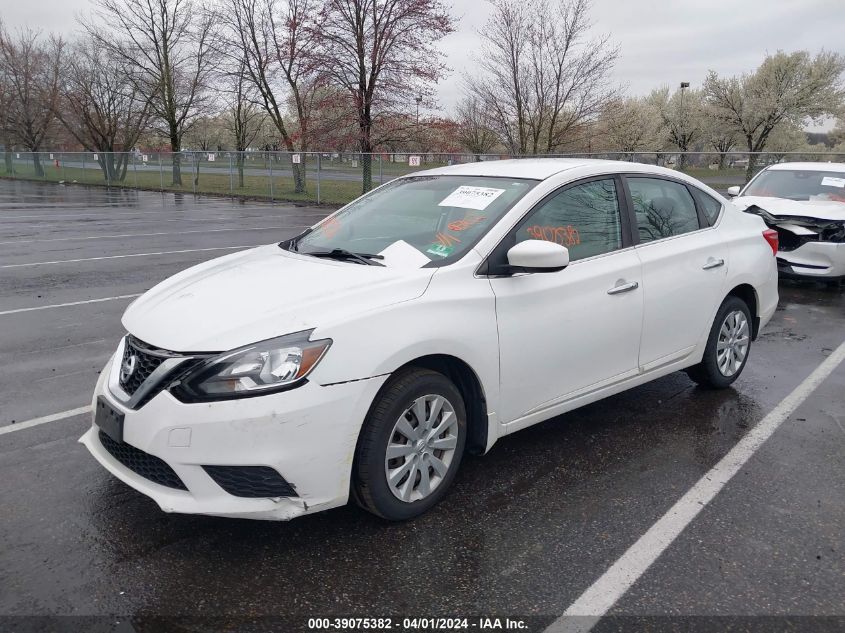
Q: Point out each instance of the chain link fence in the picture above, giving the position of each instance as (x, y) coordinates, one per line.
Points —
(330, 177)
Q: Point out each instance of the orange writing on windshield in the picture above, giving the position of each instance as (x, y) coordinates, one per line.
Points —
(330, 227)
(447, 240)
(563, 235)
(465, 223)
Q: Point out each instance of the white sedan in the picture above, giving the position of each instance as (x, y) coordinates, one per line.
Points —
(430, 317)
(805, 204)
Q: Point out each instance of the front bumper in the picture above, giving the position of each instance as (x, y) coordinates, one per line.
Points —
(814, 259)
(307, 434)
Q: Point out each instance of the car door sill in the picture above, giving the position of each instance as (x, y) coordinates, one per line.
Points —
(584, 391)
(613, 385)
(665, 360)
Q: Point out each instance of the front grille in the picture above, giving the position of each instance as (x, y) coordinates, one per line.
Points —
(144, 364)
(141, 463)
(251, 481)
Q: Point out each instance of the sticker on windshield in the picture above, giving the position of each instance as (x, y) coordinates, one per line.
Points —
(830, 181)
(441, 250)
(465, 197)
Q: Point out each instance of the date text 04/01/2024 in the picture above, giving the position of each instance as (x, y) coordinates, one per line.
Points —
(414, 624)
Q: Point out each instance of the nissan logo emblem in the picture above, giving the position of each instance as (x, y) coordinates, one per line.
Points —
(128, 367)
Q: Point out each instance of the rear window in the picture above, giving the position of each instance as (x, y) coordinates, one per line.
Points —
(663, 208)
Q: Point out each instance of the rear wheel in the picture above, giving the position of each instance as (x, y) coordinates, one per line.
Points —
(410, 446)
(727, 346)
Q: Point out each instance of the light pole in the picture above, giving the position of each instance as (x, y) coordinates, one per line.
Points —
(683, 127)
(417, 126)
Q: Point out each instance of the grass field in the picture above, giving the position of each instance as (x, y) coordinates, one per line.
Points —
(332, 191)
(339, 179)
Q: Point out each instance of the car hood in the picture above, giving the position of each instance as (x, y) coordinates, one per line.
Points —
(262, 293)
(783, 207)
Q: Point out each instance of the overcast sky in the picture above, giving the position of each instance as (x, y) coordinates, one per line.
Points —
(662, 41)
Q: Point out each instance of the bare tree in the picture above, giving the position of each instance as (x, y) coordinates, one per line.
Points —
(541, 76)
(275, 41)
(102, 109)
(786, 88)
(30, 71)
(5, 101)
(206, 133)
(382, 54)
(473, 130)
(167, 43)
(243, 117)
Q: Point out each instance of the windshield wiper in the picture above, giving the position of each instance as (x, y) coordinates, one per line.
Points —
(291, 244)
(342, 253)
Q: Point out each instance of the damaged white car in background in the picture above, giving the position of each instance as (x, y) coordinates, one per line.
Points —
(805, 204)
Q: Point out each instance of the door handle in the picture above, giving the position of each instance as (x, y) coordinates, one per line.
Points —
(713, 263)
(623, 288)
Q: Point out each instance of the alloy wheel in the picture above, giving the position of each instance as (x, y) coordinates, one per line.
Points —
(732, 346)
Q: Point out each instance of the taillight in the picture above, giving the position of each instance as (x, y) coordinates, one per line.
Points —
(771, 236)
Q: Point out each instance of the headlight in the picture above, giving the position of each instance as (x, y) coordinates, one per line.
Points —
(272, 365)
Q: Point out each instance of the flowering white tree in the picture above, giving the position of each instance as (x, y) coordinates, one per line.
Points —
(786, 88)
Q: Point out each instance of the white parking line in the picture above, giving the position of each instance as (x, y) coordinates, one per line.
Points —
(11, 428)
(94, 259)
(72, 303)
(597, 600)
(105, 237)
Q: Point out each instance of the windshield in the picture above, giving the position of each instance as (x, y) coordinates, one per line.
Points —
(413, 221)
(796, 184)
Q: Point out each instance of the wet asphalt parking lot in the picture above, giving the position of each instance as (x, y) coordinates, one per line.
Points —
(527, 529)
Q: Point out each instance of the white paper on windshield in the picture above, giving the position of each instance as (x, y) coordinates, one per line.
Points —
(402, 255)
(478, 198)
(830, 181)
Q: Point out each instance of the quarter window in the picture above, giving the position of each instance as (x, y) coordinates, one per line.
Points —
(663, 208)
(584, 218)
(710, 206)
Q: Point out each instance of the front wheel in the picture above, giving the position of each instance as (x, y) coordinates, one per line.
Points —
(410, 446)
(727, 346)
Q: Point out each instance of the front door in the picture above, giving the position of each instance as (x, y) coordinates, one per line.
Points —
(565, 333)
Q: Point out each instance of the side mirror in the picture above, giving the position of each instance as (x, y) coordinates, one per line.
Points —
(538, 256)
(733, 191)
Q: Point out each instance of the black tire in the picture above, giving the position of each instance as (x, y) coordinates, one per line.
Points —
(369, 480)
(707, 372)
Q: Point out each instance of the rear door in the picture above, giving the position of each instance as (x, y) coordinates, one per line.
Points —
(684, 267)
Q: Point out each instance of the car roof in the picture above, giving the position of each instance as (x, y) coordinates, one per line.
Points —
(839, 167)
(539, 168)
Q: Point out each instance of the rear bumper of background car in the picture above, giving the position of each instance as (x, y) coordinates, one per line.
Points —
(813, 259)
(307, 435)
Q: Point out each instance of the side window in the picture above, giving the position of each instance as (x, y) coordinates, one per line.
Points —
(709, 205)
(663, 208)
(584, 218)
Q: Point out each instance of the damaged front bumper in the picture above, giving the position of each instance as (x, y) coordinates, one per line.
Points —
(808, 247)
